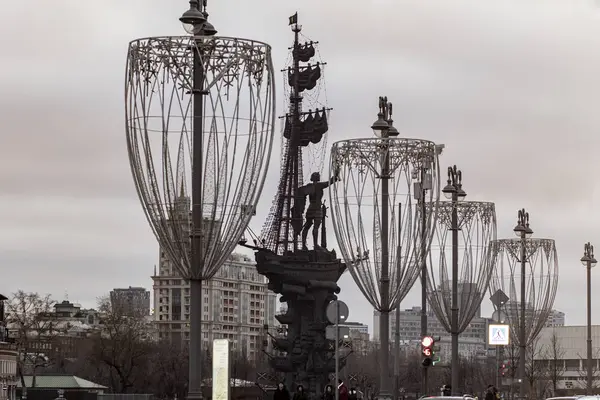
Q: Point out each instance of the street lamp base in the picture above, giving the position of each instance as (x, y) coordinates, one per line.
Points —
(194, 396)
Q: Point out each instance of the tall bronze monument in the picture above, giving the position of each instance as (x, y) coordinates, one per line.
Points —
(299, 266)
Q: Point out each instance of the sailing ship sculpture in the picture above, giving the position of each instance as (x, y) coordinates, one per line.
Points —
(301, 270)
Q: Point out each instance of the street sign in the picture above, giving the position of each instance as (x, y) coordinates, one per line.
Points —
(337, 312)
(499, 335)
(499, 298)
(499, 316)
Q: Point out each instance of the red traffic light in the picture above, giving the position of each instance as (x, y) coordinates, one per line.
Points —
(427, 341)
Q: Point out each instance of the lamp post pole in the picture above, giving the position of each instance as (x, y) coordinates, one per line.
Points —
(423, 186)
(421, 203)
(397, 327)
(455, 193)
(195, 23)
(384, 128)
(523, 231)
(589, 261)
(499, 299)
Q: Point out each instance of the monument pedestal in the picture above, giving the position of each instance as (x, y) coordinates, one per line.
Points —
(307, 282)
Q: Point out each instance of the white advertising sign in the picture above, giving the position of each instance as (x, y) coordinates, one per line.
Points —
(499, 335)
(220, 364)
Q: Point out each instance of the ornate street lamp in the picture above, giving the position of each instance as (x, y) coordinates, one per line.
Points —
(199, 115)
(376, 219)
(473, 227)
(530, 264)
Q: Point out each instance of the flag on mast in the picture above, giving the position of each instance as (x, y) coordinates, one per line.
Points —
(294, 19)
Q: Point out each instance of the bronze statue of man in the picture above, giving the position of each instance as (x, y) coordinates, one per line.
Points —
(314, 214)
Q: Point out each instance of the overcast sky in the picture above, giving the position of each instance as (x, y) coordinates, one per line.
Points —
(511, 87)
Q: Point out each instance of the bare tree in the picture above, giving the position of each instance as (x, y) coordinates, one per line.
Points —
(123, 346)
(595, 371)
(536, 371)
(169, 371)
(554, 354)
(34, 326)
(241, 367)
(362, 372)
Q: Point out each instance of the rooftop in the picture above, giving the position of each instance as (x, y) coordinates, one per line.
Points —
(60, 382)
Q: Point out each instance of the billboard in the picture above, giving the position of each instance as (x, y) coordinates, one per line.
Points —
(220, 365)
(498, 335)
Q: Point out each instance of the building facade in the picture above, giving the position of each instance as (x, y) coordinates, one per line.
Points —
(236, 305)
(359, 336)
(410, 326)
(8, 360)
(566, 346)
(472, 342)
(556, 318)
(131, 301)
(513, 310)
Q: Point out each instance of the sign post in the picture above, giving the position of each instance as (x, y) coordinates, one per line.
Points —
(337, 312)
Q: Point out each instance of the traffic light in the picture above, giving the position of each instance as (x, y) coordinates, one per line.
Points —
(504, 368)
(427, 343)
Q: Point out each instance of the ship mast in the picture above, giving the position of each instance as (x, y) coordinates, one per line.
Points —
(295, 150)
(302, 128)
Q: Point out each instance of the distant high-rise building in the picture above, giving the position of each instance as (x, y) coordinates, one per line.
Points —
(467, 292)
(131, 301)
(410, 326)
(236, 305)
(359, 336)
(472, 341)
(555, 318)
(358, 327)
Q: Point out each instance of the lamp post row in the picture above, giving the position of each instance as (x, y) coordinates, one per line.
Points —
(454, 192)
(195, 22)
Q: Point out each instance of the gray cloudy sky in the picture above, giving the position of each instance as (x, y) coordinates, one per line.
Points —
(510, 86)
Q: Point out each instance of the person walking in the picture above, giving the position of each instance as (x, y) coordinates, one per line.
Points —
(343, 389)
(300, 393)
(281, 393)
(489, 394)
(353, 395)
(329, 394)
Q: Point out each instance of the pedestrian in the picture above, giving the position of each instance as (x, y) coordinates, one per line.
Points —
(343, 390)
(329, 394)
(489, 394)
(300, 393)
(281, 393)
(496, 393)
(353, 395)
(446, 390)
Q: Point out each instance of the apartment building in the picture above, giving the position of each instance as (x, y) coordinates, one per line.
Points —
(472, 342)
(132, 301)
(410, 326)
(359, 336)
(513, 309)
(236, 305)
